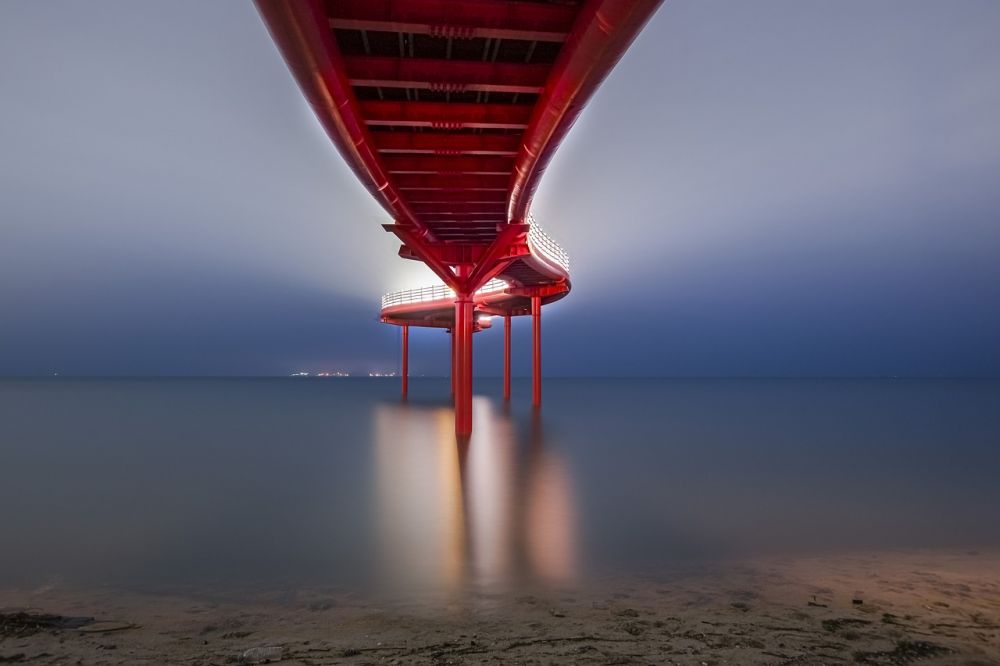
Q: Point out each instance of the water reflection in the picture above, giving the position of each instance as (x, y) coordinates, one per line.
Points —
(283, 484)
(497, 509)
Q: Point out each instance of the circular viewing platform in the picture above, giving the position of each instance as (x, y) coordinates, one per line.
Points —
(544, 268)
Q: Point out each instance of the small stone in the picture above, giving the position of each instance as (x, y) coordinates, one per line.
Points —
(260, 655)
(104, 627)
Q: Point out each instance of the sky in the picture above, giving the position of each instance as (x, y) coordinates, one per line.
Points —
(776, 188)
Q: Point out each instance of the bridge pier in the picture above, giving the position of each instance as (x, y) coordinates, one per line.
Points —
(454, 361)
(536, 351)
(506, 357)
(464, 239)
(464, 312)
(405, 370)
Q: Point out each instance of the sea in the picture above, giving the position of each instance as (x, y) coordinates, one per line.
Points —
(164, 485)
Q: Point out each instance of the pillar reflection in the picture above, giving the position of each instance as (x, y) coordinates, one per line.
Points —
(493, 510)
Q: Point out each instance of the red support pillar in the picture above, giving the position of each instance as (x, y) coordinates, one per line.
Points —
(506, 357)
(454, 362)
(464, 312)
(536, 351)
(406, 360)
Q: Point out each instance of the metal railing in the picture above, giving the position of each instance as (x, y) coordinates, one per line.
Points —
(538, 241)
(543, 243)
(438, 292)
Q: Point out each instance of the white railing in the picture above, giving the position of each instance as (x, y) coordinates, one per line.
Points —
(538, 241)
(439, 292)
(543, 243)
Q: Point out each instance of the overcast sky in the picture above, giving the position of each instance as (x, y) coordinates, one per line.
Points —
(782, 187)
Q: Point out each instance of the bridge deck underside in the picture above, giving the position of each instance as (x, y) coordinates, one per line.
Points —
(447, 90)
(449, 110)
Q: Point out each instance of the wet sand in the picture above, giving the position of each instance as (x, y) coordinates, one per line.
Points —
(885, 608)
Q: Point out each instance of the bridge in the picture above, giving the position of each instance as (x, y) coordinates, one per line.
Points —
(449, 111)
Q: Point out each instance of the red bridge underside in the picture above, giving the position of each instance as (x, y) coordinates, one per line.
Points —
(449, 110)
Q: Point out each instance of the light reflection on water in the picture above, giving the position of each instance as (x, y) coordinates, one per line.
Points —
(286, 484)
(485, 511)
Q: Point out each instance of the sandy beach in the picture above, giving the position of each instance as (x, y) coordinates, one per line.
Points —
(884, 608)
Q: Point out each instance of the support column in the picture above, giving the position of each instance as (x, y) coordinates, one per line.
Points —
(536, 351)
(506, 357)
(463, 372)
(454, 362)
(406, 360)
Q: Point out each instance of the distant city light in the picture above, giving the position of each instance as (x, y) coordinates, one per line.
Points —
(341, 373)
(324, 373)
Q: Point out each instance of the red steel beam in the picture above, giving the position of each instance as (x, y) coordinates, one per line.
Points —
(543, 291)
(488, 220)
(466, 236)
(536, 351)
(464, 315)
(480, 165)
(479, 222)
(436, 143)
(506, 357)
(418, 197)
(499, 310)
(425, 182)
(445, 75)
(425, 322)
(472, 236)
(455, 18)
(450, 253)
(435, 320)
(454, 361)
(405, 370)
(444, 115)
(497, 257)
(466, 253)
(602, 32)
(455, 208)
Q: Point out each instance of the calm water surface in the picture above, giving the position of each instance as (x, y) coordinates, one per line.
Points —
(161, 484)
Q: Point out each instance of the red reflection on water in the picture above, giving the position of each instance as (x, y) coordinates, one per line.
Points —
(495, 510)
